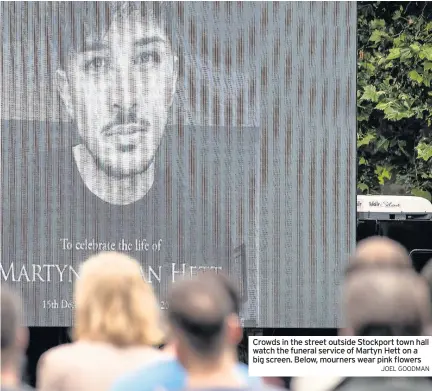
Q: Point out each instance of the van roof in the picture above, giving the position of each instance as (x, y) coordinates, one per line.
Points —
(382, 207)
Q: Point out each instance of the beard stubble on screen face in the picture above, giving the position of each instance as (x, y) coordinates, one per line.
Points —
(121, 91)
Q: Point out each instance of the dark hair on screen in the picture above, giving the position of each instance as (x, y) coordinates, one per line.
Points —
(82, 21)
(198, 310)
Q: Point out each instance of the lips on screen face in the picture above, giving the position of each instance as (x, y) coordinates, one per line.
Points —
(121, 91)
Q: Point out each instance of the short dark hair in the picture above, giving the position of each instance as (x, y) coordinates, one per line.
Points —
(198, 310)
(387, 301)
(228, 285)
(10, 319)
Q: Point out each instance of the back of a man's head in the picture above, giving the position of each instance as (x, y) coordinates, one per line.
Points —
(386, 302)
(227, 284)
(199, 314)
(12, 346)
(427, 274)
(381, 251)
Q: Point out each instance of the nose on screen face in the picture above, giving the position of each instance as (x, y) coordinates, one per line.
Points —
(123, 99)
(124, 88)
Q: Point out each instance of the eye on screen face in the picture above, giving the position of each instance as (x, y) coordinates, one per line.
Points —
(97, 63)
(141, 56)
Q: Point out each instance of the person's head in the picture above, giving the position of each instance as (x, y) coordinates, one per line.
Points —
(203, 322)
(14, 338)
(118, 84)
(386, 302)
(114, 304)
(227, 284)
(379, 250)
(427, 274)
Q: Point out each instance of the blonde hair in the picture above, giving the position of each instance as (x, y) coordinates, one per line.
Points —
(114, 304)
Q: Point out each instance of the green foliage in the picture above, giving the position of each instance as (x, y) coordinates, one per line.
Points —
(394, 97)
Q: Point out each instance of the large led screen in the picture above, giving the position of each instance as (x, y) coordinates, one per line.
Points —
(193, 136)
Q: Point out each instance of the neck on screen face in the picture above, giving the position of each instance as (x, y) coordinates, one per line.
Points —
(111, 188)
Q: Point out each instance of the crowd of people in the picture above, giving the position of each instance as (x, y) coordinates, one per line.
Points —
(123, 342)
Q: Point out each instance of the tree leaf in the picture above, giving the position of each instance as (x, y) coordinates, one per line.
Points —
(405, 54)
(383, 105)
(382, 144)
(362, 161)
(397, 15)
(383, 173)
(414, 75)
(377, 36)
(415, 47)
(424, 151)
(377, 24)
(394, 97)
(362, 187)
(370, 93)
(421, 193)
(365, 140)
(370, 67)
(427, 65)
(394, 54)
(426, 52)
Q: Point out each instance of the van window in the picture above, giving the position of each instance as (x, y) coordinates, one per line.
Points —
(420, 258)
(413, 235)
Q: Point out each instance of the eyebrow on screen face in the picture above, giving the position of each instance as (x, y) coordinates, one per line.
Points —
(148, 40)
(97, 46)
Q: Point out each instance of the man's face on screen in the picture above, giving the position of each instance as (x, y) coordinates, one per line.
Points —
(119, 90)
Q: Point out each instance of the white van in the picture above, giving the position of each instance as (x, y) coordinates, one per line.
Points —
(405, 219)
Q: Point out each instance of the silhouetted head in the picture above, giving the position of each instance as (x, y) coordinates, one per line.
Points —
(427, 274)
(379, 250)
(386, 302)
(203, 321)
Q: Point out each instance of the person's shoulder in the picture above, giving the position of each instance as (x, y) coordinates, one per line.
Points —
(58, 353)
(150, 376)
(63, 354)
